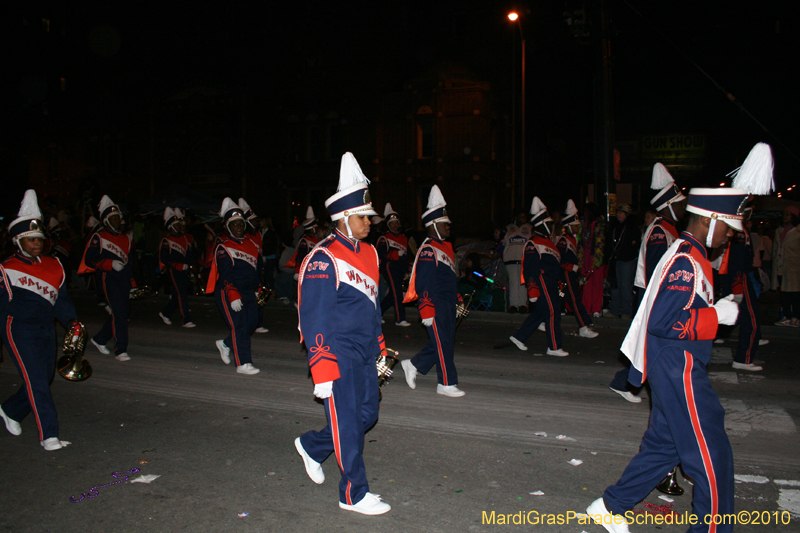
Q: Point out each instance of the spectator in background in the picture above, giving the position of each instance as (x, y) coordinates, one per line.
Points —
(786, 267)
(591, 260)
(650, 215)
(516, 235)
(625, 239)
(766, 245)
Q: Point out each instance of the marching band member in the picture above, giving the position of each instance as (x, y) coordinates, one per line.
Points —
(568, 248)
(541, 272)
(308, 240)
(252, 233)
(740, 260)
(671, 206)
(393, 252)
(433, 282)
(32, 293)
(234, 281)
(108, 252)
(669, 344)
(176, 255)
(340, 321)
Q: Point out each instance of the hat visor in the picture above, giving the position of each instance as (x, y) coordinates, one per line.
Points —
(442, 219)
(735, 224)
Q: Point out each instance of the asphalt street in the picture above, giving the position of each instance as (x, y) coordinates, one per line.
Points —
(222, 443)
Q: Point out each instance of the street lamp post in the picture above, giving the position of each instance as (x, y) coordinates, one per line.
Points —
(514, 17)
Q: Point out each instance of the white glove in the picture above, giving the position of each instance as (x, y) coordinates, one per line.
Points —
(236, 305)
(532, 300)
(296, 277)
(737, 298)
(574, 268)
(727, 311)
(323, 390)
(427, 322)
(401, 253)
(117, 265)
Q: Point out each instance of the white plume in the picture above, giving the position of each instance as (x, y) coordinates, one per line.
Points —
(178, 212)
(29, 208)
(376, 220)
(227, 205)
(570, 209)
(310, 213)
(53, 223)
(388, 210)
(755, 174)
(243, 205)
(661, 177)
(105, 202)
(350, 173)
(435, 198)
(168, 213)
(537, 206)
(92, 222)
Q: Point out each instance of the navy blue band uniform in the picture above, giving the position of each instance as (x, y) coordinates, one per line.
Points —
(32, 294)
(541, 273)
(176, 256)
(568, 248)
(393, 253)
(235, 275)
(103, 249)
(434, 284)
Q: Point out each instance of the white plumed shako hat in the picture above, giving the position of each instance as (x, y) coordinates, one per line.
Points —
(352, 196)
(437, 212)
(28, 223)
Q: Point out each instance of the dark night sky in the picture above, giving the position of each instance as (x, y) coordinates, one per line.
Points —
(118, 56)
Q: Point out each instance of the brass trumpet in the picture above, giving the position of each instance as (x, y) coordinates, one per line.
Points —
(462, 308)
(263, 295)
(141, 292)
(384, 363)
(194, 279)
(72, 366)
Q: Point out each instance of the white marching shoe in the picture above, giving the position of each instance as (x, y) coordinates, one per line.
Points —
(190, 325)
(542, 327)
(101, 347)
(224, 352)
(370, 504)
(410, 371)
(449, 390)
(262, 329)
(54, 444)
(166, 320)
(750, 367)
(12, 426)
(248, 369)
(588, 332)
(313, 468)
(402, 324)
(123, 357)
(601, 516)
(519, 344)
(557, 353)
(627, 395)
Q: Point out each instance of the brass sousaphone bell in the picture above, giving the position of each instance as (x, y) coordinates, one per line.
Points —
(669, 485)
(72, 366)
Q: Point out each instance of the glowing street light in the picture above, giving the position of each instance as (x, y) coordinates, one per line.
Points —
(513, 16)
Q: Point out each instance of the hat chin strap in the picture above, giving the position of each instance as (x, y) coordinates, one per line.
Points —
(710, 236)
(671, 212)
(349, 231)
(436, 229)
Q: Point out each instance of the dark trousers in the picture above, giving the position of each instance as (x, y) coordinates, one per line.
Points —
(548, 310)
(33, 350)
(622, 296)
(574, 302)
(180, 295)
(118, 293)
(687, 427)
(351, 411)
(394, 298)
(241, 323)
(749, 324)
(440, 348)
